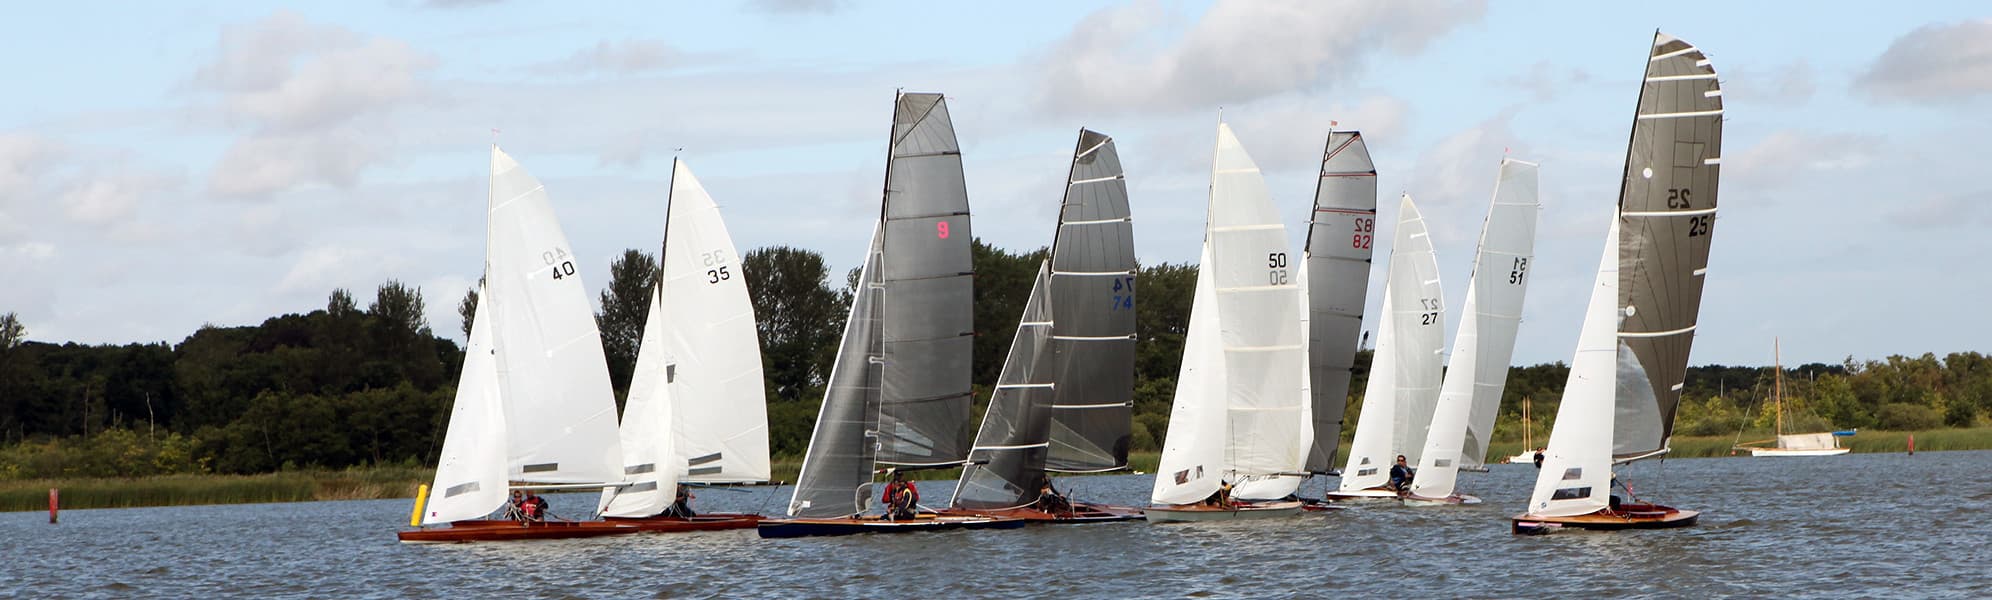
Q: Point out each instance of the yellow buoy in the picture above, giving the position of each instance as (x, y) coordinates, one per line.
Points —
(421, 498)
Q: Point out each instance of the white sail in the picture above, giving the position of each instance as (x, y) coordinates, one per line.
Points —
(1405, 369)
(1576, 472)
(1486, 338)
(697, 410)
(1193, 450)
(1280, 486)
(470, 475)
(1258, 313)
(560, 413)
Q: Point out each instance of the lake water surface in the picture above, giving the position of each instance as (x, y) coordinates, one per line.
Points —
(1864, 525)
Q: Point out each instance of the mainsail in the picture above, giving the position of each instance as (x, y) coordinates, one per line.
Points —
(1340, 233)
(560, 413)
(1255, 343)
(928, 329)
(1092, 288)
(697, 409)
(1632, 354)
(899, 390)
(470, 474)
(1404, 375)
(1191, 465)
(1062, 401)
(1486, 340)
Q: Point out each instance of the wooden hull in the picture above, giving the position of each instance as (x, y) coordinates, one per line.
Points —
(1455, 499)
(706, 522)
(1181, 513)
(1080, 513)
(788, 528)
(1785, 452)
(1628, 516)
(492, 530)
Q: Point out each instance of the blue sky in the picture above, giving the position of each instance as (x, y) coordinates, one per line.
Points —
(164, 165)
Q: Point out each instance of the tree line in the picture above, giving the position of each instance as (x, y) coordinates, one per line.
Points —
(344, 386)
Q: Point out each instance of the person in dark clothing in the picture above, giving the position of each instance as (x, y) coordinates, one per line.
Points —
(1049, 500)
(681, 507)
(902, 499)
(1401, 475)
(1538, 458)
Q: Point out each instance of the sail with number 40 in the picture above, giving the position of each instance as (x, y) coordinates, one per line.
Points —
(1632, 353)
(697, 410)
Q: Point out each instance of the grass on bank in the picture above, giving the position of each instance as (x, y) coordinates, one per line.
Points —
(400, 482)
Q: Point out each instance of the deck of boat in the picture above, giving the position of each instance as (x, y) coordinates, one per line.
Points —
(1362, 495)
(1417, 500)
(1628, 516)
(787, 528)
(1237, 511)
(705, 522)
(498, 530)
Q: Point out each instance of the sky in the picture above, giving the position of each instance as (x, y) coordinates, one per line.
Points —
(169, 165)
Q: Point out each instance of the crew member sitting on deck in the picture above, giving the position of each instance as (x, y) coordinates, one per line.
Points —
(1401, 475)
(901, 498)
(1049, 500)
(533, 507)
(515, 509)
(1220, 498)
(681, 507)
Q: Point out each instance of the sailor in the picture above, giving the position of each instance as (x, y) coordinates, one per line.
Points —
(533, 507)
(1401, 475)
(681, 507)
(1538, 458)
(1049, 500)
(516, 508)
(901, 498)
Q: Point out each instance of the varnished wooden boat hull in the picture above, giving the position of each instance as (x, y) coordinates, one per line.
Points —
(706, 522)
(1628, 516)
(1242, 510)
(493, 530)
(788, 528)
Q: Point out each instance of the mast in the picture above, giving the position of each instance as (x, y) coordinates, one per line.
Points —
(1777, 387)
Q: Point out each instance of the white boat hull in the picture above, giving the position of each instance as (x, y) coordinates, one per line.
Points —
(1794, 452)
(1454, 499)
(1525, 458)
(1366, 495)
(1197, 512)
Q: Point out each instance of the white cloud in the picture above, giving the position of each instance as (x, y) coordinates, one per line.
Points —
(1937, 62)
(622, 57)
(112, 198)
(798, 6)
(1238, 51)
(1786, 154)
(24, 158)
(314, 98)
(1543, 80)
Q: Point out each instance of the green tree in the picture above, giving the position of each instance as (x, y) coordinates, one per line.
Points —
(11, 331)
(625, 305)
(799, 317)
(467, 308)
(1002, 286)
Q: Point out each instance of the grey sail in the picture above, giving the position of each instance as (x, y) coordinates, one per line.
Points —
(837, 469)
(1010, 449)
(1666, 218)
(1092, 290)
(1340, 235)
(928, 305)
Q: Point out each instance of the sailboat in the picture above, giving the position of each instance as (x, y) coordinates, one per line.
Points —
(1340, 235)
(899, 391)
(697, 410)
(1793, 444)
(1064, 396)
(1403, 388)
(1632, 353)
(533, 409)
(1238, 413)
(1529, 448)
(1470, 394)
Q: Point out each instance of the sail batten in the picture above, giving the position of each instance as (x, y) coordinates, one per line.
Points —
(1403, 388)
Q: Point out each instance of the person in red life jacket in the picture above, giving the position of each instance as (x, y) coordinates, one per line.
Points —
(901, 498)
(534, 507)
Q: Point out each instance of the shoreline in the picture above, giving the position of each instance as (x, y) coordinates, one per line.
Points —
(400, 482)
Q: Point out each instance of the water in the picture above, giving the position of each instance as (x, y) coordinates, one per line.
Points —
(1856, 525)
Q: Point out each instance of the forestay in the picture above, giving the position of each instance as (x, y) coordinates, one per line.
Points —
(1092, 287)
(560, 413)
(836, 471)
(1471, 391)
(1340, 233)
(1404, 373)
(928, 304)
